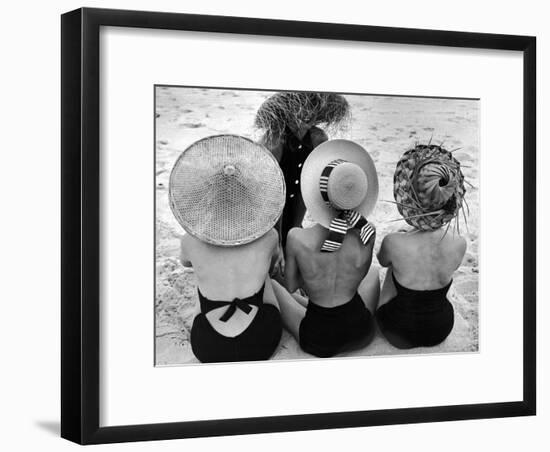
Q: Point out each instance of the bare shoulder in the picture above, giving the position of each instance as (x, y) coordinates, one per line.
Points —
(187, 242)
(303, 237)
(459, 243)
(272, 237)
(294, 237)
(393, 239)
(462, 241)
(268, 240)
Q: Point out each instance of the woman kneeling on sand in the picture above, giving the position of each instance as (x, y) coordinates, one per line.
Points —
(228, 192)
(291, 124)
(331, 261)
(429, 191)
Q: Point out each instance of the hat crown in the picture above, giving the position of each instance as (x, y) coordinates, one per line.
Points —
(347, 186)
(323, 207)
(229, 170)
(226, 190)
(434, 183)
(428, 187)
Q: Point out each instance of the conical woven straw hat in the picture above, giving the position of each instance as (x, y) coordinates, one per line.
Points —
(314, 165)
(428, 186)
(226, 190)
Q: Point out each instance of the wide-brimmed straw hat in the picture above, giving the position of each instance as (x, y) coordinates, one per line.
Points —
(351, 184)
(428, 186)
(226, 190)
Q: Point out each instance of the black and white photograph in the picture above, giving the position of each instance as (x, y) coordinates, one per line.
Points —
(294, 225)
(275, 226)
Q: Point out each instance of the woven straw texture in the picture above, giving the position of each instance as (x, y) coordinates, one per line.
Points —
(294, 109)
(428, 187)
(226, 190)
(347, 186)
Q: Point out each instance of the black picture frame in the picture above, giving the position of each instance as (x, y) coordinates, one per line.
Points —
(80, 188)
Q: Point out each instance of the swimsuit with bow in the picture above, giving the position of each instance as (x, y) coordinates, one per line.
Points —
(257, 342)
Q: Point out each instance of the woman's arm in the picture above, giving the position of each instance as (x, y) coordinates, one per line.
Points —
(384, 252)
(269, 294)
(184, 255)
(293, 279)
(277, 259)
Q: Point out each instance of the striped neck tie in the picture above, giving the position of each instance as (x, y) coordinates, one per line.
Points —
(346, 219)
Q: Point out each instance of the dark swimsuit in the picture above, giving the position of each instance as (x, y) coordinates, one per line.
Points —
(257, 342)
(416, 318)
(325, 332)
(295, 152)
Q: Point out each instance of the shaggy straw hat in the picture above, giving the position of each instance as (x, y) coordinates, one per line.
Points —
(352, 183)
(293, 109)
(226, 190)
(428, 186)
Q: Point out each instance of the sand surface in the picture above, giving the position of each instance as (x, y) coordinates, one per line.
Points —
(385, 126)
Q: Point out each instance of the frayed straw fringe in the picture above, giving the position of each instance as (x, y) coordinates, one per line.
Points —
(293, 109)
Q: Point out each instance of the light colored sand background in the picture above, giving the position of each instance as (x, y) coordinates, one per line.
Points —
(385, 126)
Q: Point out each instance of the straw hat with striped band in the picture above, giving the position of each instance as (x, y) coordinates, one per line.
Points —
(340, 188)
(226, 190)
(428, 186)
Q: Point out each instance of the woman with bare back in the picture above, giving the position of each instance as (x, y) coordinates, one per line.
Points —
(429, 191)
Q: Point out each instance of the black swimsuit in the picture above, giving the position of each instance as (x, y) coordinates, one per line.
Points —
(416, 318)
(257, 342)
(325, 332)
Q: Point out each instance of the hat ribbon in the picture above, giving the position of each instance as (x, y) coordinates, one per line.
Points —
(345, 220)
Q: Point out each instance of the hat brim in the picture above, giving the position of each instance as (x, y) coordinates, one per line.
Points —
(195, 200)
(321, 156)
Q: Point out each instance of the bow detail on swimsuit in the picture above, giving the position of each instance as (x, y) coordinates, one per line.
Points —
(244, 304)
(232, 307)
(345, 220)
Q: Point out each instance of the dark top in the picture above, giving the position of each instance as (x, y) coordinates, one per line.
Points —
(294, 154)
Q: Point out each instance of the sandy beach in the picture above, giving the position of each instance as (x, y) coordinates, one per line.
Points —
(385, 126)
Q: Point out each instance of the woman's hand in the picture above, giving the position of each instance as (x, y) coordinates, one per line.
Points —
(278, 267)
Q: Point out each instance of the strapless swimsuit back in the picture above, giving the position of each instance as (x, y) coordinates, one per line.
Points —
(257, 342)
(416, 318)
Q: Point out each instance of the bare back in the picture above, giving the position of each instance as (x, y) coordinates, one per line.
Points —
(423, 260)
(224, 273)
(330, 279)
